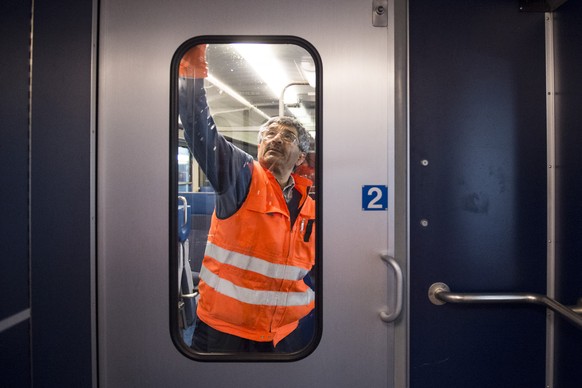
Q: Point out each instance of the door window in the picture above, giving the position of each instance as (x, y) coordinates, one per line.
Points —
(245, 255)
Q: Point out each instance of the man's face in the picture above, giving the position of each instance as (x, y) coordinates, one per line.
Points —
(279, 150)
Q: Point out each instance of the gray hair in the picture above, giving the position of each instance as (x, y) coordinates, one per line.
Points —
(286, 121)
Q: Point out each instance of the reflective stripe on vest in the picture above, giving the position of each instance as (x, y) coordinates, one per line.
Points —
(251, 263)
(246, 295)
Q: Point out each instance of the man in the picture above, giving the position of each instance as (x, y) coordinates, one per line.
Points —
(261, 242)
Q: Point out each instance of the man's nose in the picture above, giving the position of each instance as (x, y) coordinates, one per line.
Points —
(278, 137)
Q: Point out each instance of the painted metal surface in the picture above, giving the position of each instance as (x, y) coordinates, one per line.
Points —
(14, 164)
(467, 193)
(62, 194)
(46, 318)
(568, 97)
(477, 191)
(137, 42)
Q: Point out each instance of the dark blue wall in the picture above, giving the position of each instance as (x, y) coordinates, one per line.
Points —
(46, 249)
(14, 27)
(568, 48)
(14, 263)
(61, 194)
(478, 116)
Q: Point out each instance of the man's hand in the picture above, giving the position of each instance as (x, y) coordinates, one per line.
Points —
(193, 63)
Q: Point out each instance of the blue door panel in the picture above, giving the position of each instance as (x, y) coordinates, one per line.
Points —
(61, 273)
(14, 271)
(478, 191)
(15, 362)
(568, 53)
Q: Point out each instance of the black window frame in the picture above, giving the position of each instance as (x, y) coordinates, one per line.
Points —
(173, 202)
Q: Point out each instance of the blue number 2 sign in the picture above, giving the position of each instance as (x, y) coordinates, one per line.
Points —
(374, 197)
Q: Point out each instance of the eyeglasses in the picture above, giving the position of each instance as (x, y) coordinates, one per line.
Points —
(287, 136)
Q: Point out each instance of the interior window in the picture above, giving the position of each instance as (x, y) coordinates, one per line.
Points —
(245, 258)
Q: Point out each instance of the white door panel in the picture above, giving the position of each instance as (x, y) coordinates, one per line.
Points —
(137, 42)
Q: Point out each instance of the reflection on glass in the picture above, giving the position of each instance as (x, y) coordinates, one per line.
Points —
(247, 198)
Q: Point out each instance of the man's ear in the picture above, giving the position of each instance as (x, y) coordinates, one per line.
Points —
(301, 159)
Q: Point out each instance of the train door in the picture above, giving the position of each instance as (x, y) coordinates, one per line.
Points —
(357, 49)
(480, 194)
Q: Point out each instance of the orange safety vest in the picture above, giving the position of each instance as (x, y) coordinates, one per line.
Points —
(255, 261)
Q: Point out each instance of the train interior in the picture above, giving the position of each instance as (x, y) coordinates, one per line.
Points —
(247, 84)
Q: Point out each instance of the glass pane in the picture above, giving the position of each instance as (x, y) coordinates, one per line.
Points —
(248, 118)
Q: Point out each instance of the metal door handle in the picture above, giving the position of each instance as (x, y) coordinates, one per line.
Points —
(385, 315)
(439, 294)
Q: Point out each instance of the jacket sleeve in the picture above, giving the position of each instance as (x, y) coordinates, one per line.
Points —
(228, 168)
